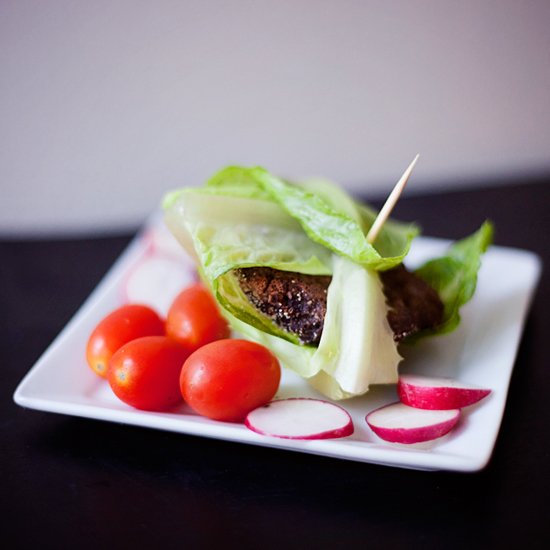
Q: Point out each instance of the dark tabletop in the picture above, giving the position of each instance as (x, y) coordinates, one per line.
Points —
(77, 483)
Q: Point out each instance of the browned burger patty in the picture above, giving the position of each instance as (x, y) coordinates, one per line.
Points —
(298, 303)
(294, 301)
(414, 304)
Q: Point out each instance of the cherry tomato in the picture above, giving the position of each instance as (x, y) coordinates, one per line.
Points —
(194, 318)
(226, 379)
(118, 328)
(144, 373)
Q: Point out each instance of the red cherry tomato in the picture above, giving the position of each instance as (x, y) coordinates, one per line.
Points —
(145, 373)
(194, 318)
(118, 328)
(227, 379)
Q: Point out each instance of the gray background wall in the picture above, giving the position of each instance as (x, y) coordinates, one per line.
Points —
(105, 105)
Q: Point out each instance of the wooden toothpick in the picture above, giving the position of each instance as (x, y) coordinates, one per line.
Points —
(390, 203)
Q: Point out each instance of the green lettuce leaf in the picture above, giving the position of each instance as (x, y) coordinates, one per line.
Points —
(228, 232)
(454, 275)
(327, 215)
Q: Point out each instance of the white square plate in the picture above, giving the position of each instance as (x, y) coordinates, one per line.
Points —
(481, 352)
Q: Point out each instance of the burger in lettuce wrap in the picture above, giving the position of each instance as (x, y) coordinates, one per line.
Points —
(291, 268)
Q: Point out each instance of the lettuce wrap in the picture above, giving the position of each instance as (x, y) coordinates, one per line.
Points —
(249, 218)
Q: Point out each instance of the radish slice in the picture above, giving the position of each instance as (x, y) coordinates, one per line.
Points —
(300, 418)
(425, 392)
(400, 423)
(156, 280)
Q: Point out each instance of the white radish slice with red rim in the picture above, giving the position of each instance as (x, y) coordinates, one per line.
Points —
(399, 423)
(156, 280)
(300, 418)
(425, 392)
